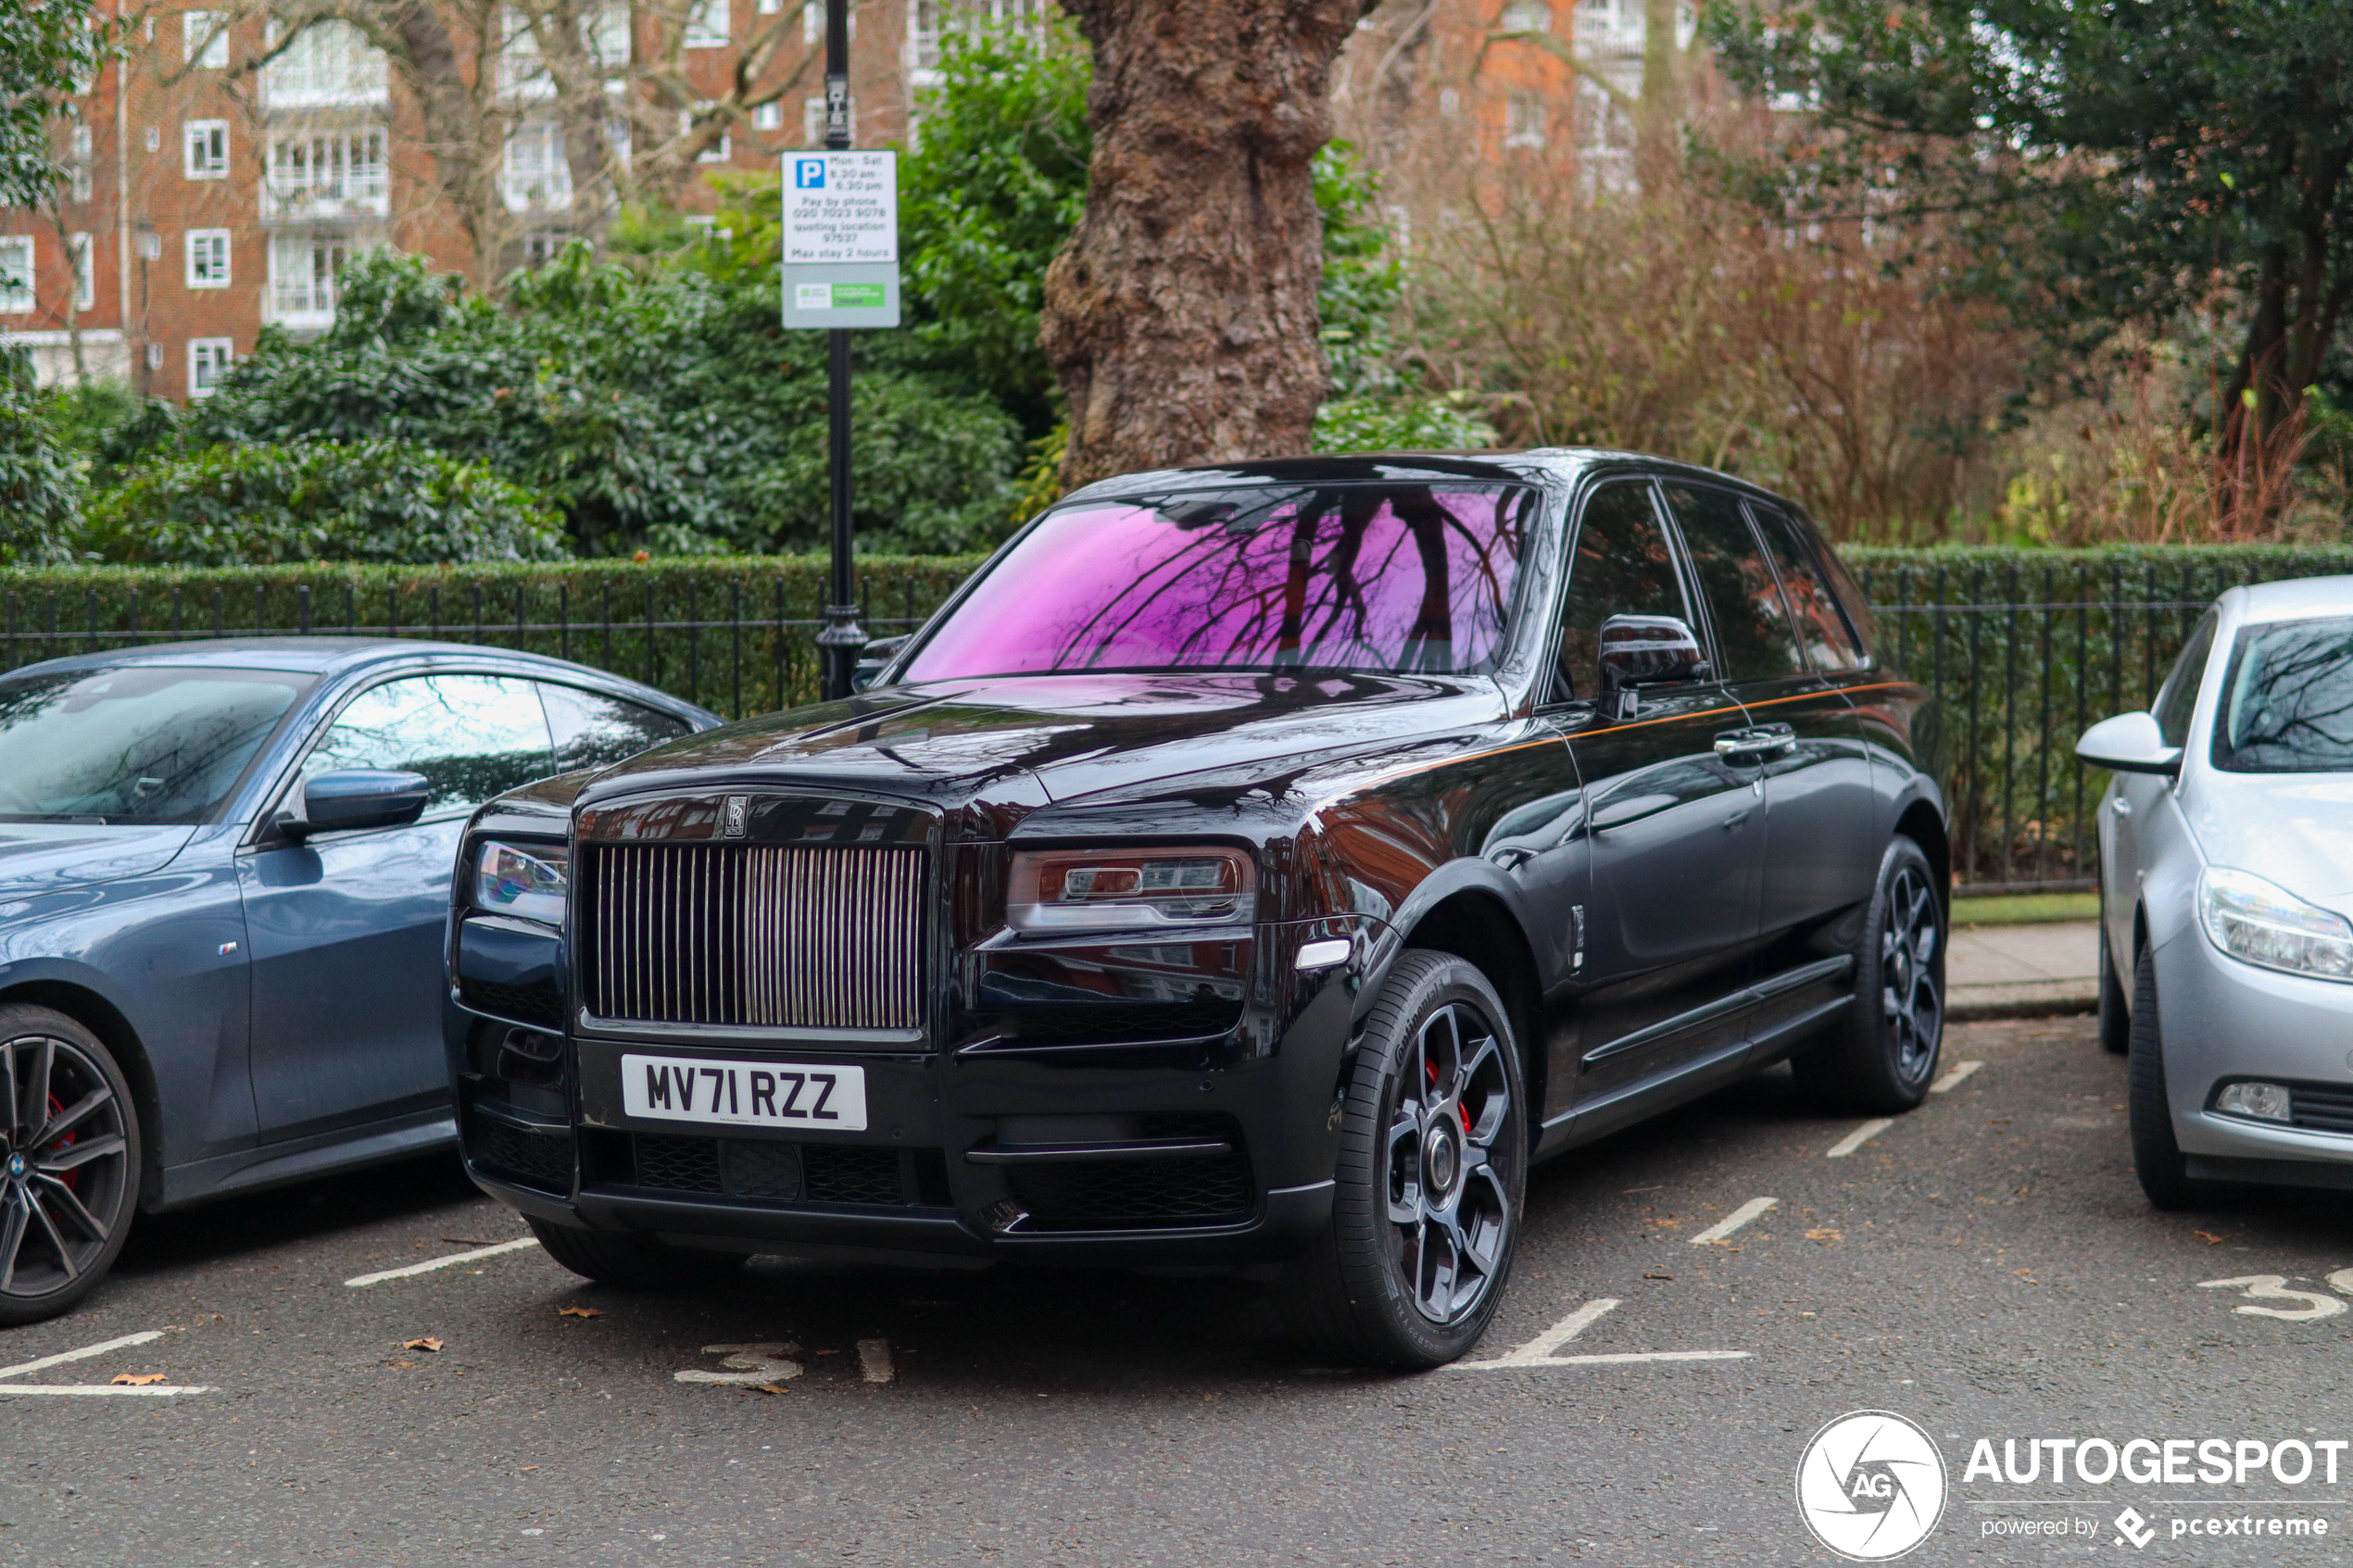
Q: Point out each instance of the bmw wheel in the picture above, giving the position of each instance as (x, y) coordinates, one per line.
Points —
(69, 1162)
(1432, 1160)
(1880, 1058)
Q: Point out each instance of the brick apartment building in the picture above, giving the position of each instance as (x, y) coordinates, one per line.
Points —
(221, 174)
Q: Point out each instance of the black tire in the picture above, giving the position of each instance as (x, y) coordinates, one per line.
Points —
(2116, 1019)
(2157, 1157)
(69, 1155)
(1426, 1210)
(635, 1261)
(1880, 1058)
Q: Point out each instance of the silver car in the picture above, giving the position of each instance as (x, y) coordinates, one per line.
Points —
(2226, 888)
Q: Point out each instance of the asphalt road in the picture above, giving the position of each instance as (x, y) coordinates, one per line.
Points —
(1984, 1267)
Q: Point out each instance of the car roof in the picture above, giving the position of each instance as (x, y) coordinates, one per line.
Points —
(1558, 463)
(337, 657)
(2292, 599)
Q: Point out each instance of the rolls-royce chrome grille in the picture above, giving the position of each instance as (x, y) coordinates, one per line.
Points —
(754, 935)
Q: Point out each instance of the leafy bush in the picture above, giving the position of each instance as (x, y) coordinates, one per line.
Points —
(372, 500)
(39, 481)
(666, 411)
(1449, 422)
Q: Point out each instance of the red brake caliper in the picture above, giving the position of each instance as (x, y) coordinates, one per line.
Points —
(57, 1108)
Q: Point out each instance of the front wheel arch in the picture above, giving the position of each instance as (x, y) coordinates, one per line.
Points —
(102, 1018)
(1476, 928)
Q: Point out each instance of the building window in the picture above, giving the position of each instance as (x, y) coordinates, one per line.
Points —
(208, 361)
(208, 259)
(604, 31)
(769, 7)
(620, 141)
(1526, 16)
(813, 22)
(521, 72)
(706, 24)
(305, 270)
(768, 117)
(16, 273)
(536, 177)
(85, 272)
(203, 40)
(78, 164)
(328, 62)
(1449, 102)
(1524, 121)
(542, 246)
(718, 151)
(324, 173)
(208, 149)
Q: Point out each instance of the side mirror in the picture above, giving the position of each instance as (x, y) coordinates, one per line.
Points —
(2130, 743)
(357, 797)
(873, 657)
(1646, 650)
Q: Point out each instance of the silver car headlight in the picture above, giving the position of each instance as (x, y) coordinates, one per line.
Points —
(1126, 889)
(2264, 924)
(528, 884)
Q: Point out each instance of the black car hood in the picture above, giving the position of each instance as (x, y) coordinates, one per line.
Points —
(51, 857)
(1054, 739)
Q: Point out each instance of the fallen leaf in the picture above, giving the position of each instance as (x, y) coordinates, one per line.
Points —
(531, 1467)
(580, 1311)
(473, 1240)
(425, 1344)
(2209, 1238)
(136, 1379)
(402, 1366)
(1654, 1275)
(1825, 1234)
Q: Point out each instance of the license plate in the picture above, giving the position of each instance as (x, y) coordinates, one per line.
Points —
(744, 1094)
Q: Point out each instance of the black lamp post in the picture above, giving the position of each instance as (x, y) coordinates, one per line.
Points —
(842, 639)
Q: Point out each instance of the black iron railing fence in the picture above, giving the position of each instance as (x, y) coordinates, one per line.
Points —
(2021, 649)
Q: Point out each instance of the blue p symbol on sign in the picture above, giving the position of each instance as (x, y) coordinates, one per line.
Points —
(809, 173)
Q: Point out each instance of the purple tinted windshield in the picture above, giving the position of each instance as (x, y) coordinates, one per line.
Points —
(1389, 577)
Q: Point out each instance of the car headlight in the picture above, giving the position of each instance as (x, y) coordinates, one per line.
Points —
(1123, 889)
(2264, 924)
(530, 883)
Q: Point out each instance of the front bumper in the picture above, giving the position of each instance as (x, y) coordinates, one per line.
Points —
(953, 1165)
(2224, 1020)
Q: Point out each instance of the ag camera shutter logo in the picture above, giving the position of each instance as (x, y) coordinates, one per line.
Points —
(1870, 1485)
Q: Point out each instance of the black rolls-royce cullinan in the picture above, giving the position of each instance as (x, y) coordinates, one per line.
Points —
(1251, 867)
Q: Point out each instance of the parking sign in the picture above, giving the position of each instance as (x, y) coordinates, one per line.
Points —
(841, 239)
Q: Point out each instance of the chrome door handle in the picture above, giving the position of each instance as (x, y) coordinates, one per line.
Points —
(1762, 741)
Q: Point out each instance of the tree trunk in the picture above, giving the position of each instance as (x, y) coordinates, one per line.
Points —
(1182, 315)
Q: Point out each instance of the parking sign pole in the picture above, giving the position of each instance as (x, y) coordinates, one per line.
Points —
(839, 642)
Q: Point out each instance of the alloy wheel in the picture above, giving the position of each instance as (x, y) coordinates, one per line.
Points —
(1449, 1208)
(64, 1164)
(1911, 993)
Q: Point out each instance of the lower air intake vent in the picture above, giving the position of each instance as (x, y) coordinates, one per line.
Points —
(527, 1158)
(1141, 1194)
(783, 1173)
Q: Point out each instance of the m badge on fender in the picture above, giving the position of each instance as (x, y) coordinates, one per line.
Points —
(739, 814)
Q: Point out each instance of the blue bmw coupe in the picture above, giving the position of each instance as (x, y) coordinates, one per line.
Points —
(224, 883)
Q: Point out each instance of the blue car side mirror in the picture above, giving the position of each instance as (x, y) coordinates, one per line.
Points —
(357, 797)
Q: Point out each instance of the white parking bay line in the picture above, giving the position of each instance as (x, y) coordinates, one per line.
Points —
(145, 1336)
(1722, 1229)
(449, 1262)
(93, 1390)
(1538, 1351)
(1955, 1078)
(1859, 1137)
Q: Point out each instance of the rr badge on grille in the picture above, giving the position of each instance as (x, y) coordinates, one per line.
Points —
(739, 814)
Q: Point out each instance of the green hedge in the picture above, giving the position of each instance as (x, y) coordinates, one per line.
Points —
(2024, 648)
(735, 633)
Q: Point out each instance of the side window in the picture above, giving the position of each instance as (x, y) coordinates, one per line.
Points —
(1622, 566)
(1823, 631)
(596, 730)
(1753, 629)
(473, 736)
(2178, 701)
